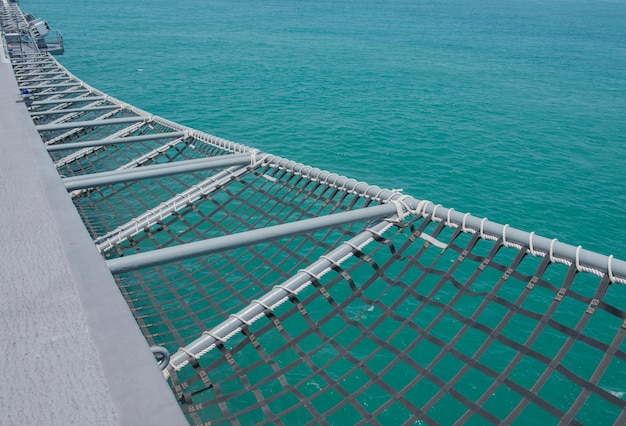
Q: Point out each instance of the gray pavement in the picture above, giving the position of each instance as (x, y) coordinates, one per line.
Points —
(70, 350)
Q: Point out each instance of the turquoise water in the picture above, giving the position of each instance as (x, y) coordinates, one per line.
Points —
(513, 110)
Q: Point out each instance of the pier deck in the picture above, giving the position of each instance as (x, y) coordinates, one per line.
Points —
(70, 350)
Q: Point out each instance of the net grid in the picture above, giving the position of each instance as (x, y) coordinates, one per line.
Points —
(427, 333)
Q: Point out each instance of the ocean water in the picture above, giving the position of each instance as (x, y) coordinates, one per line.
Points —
(513, 110)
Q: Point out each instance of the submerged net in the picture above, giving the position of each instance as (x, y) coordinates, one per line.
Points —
(418, 315)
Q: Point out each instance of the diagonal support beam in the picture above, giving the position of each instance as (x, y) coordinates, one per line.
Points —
(158, 170)
(29, 63)
(166, 208)
(152, 154)
(50, 86)
(140, 161)
(75, 116)
(65, 82)
(89, 123)
(54, 95)
(25, 77)
(74, 110)
(37, 79)
(53, 72)
(242, 239)
(82, 153)
(115, 141)
(51, 95)
(68, 100)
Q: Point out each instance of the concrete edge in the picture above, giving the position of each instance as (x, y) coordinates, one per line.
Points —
(139, 392)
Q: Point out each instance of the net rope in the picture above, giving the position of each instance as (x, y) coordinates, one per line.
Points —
(425, 316)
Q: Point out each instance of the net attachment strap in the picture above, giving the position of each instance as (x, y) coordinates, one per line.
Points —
(609, 268)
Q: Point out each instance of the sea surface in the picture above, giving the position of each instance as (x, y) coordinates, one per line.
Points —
(513, 110)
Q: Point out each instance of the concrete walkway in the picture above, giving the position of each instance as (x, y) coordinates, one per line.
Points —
(70, 350)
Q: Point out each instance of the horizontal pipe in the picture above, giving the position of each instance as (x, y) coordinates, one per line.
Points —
(88, 123)
(57, 93)
(74, 110)
(39, 70)
(158, 170)
(27, 63)
(242, 239)
(23, 58)
(27, 57)
(47, 73)
(52, 72)
(43, 77)
(49, 86)
(68, 100)
(115, 141)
